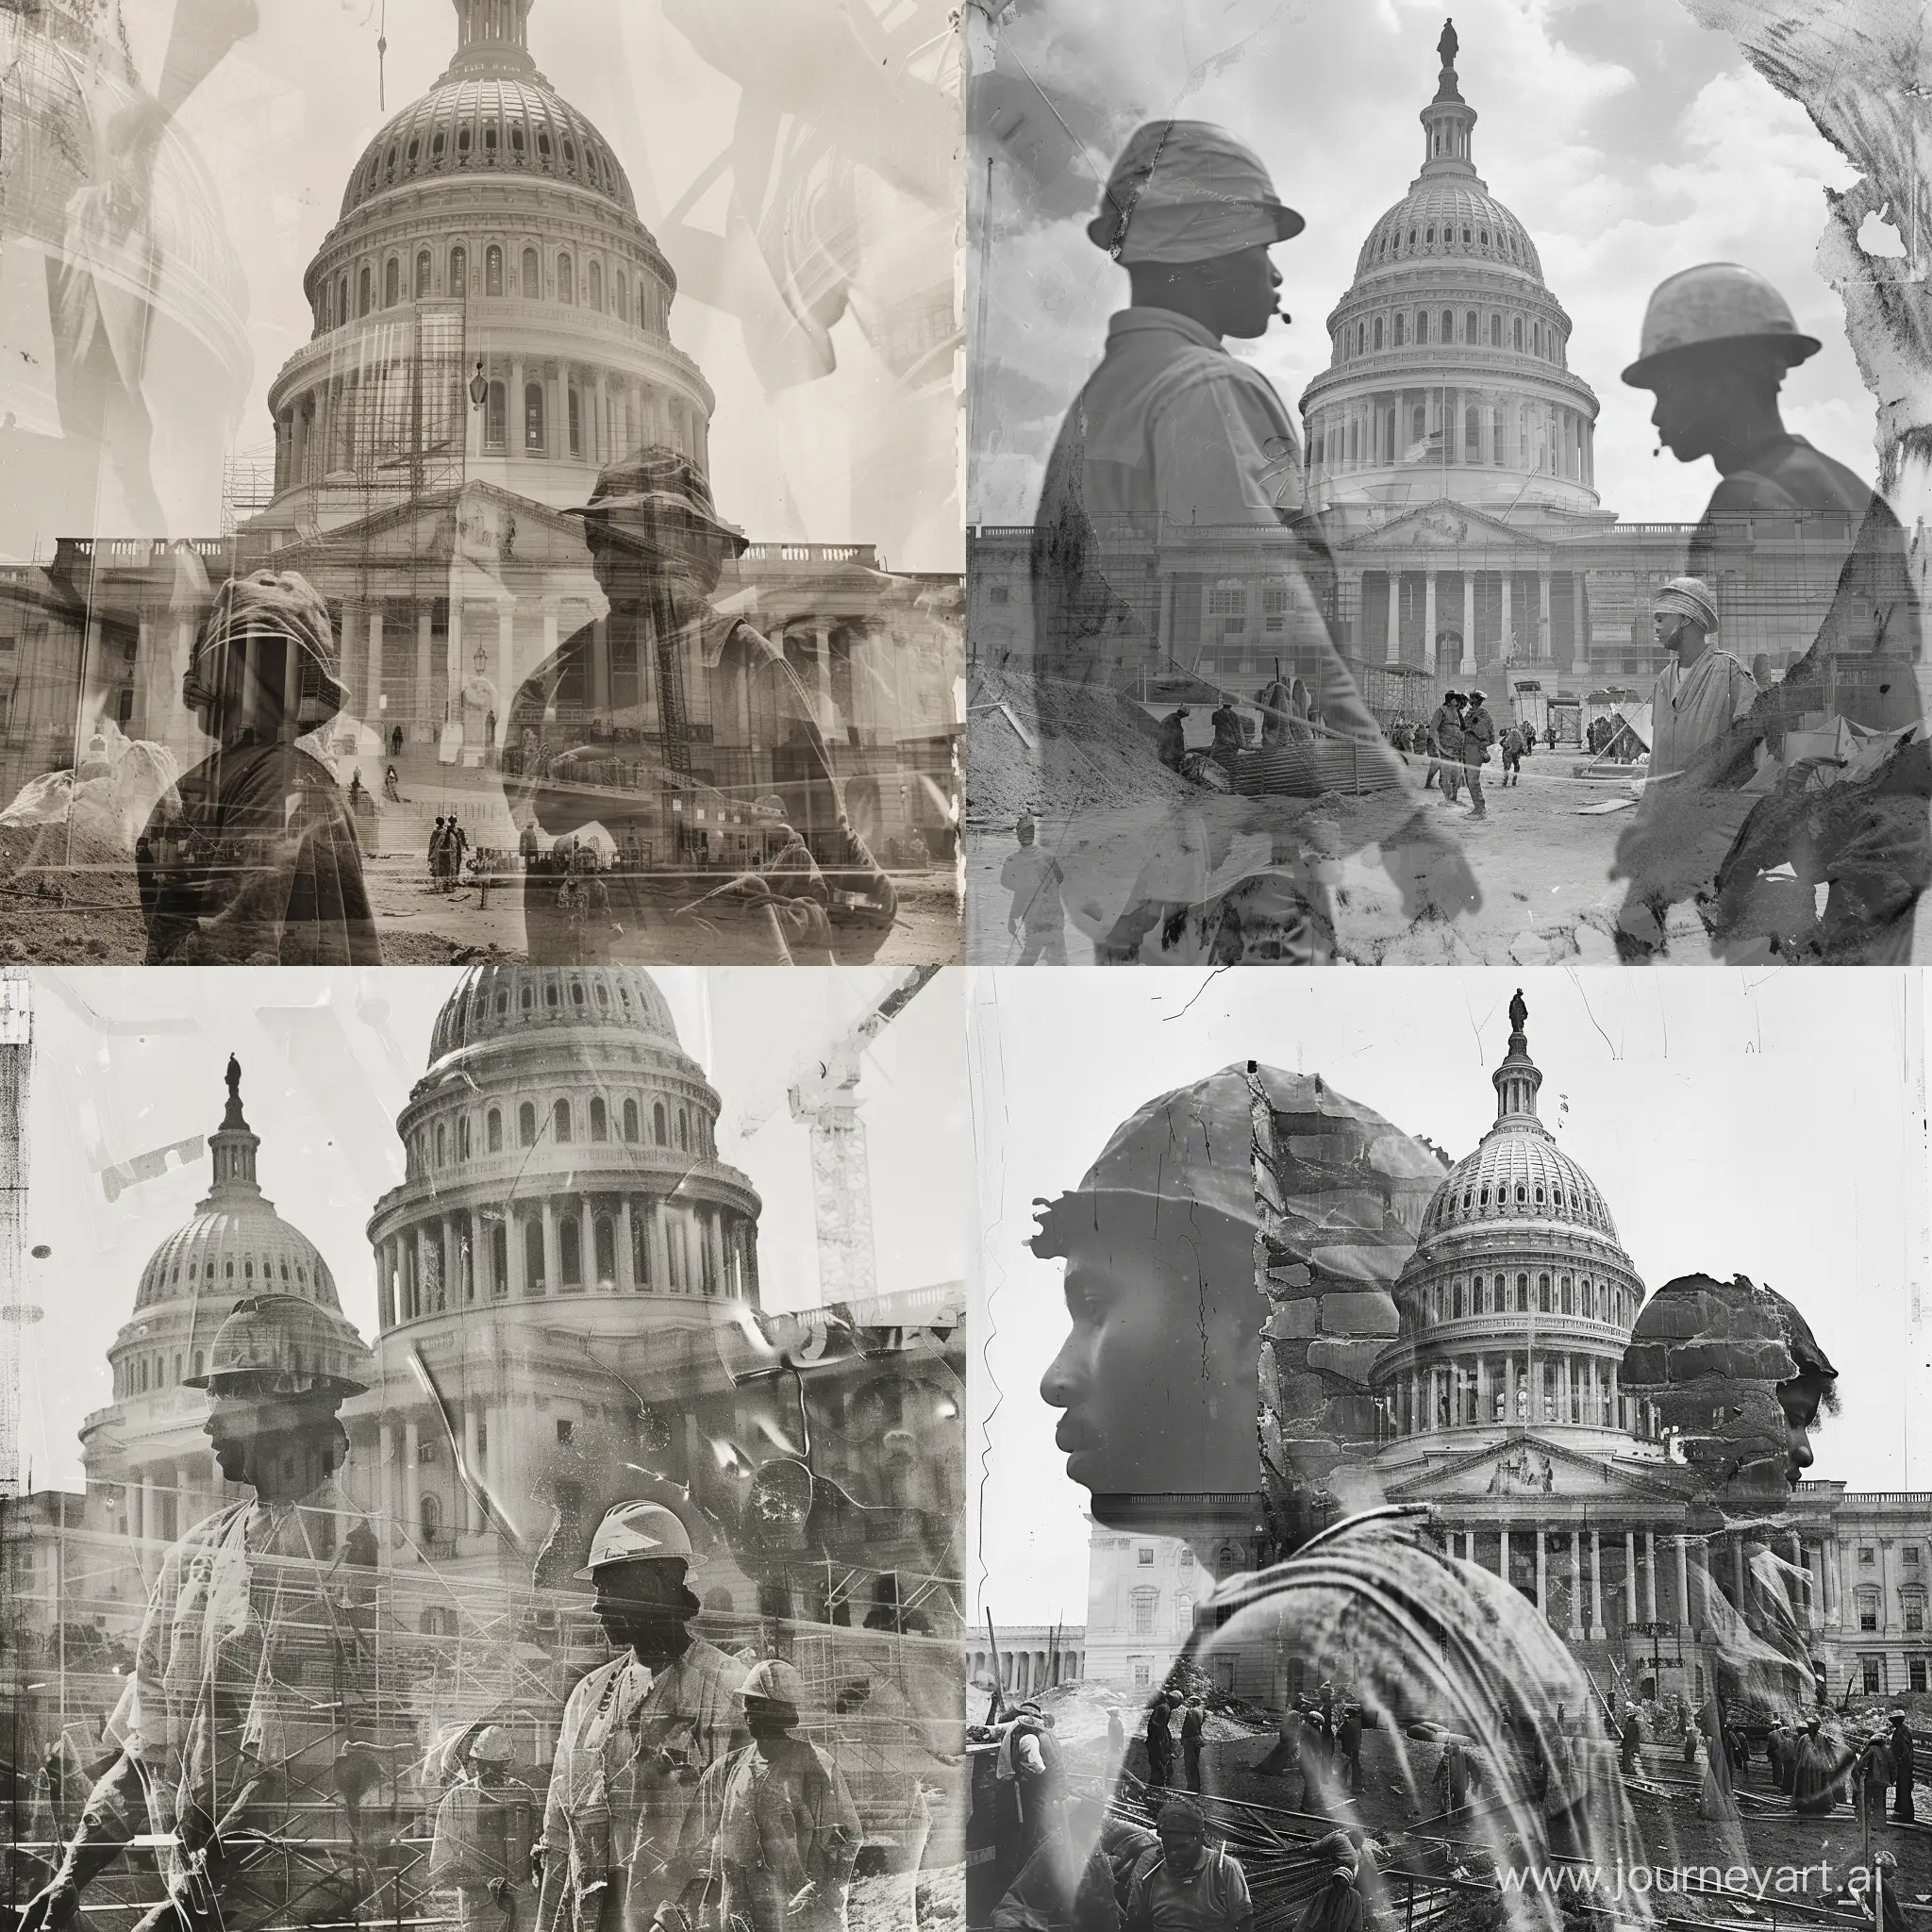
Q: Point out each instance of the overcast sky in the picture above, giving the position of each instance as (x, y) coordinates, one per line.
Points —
(285, 119)
(1761, 1124)
(125, 1061)
(1630, 143)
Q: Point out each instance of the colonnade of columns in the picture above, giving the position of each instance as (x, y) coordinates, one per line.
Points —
(1380, 431)
(1652, 1583)
(1537, 1386)
(1452, 607)
(563, 1244)
(165, 1499)
(1025, 1672)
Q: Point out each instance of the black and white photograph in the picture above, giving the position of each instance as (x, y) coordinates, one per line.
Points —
(480, 478)
(1446, 489)
(483, 1449)
(1454, 1458)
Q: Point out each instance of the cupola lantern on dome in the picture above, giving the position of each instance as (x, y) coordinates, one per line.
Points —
(1448, 119)
(493, 31)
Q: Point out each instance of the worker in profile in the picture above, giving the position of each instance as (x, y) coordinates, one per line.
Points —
(1173, 431)
(1718, 340)
(637, 1733)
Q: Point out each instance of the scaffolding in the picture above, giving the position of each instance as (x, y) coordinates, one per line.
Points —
(365, 1673)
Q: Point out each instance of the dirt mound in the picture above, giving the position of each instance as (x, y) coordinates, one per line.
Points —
(1091, 747)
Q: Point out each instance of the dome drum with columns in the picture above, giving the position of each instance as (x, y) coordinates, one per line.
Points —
(1518, 1301)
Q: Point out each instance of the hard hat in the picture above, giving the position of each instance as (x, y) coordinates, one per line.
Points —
(1188, 191)
(637, 1533)
(1688, 597)
(491, 1746)
(279, 1344)
(774, 1681)
(1718, 302)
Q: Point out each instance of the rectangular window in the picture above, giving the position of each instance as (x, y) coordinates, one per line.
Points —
(1144, 1614)
(565, 1428)
(1865, 1553)
(1915, 1673)
(1872, 1670)
(1227, 602)
(1913, 1554)
(1915, 1621)
(1868, 1619)
(1145, 1557)
(1143, 1674)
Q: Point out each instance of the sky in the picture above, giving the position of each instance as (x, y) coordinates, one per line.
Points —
(127, 1061)
(1629, 142)
(1769, 1124)
(283, 121)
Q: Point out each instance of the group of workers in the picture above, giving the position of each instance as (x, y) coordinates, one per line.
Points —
(681, 1789)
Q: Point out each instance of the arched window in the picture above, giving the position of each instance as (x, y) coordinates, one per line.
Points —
(423, 276)
(606, 1252)
(341, 310)
(197, 1363)
(623, 297)
(559, 1118)
(1523, 1294)
(600, 1123)
(533, 1255)
(459, 272)
(597, 287)
(1542, 1294)
(496, 417)
(566, 279)
(630, 1120)
(1448, 325)
(141, 1377)
(1473, 432)
(499, 1261)
(392, 283)
(1516, 332)
(1361, 337)
(1495, 331)
(463, 1137)
(1471, 327)
(533, 419)
(527, 1125)
(658, 1133)
(363, 292)
(1568, 1301)
(492, 272)
(492, 1131)
(1421, 325)
(1398, 336)
(533, 276)
(1376, 326)
(569, 1253)
(1458, 1298)
(440, 1144)
(576, 423)
(683, 1131)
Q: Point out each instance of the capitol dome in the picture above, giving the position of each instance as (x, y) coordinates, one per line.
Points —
(491, 1001)
(1449, 376)
(488, 231)
(1519, 1299)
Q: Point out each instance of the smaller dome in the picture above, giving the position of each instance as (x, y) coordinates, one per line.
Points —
(490, 1001)
(1518, 1175)
(237, 1250)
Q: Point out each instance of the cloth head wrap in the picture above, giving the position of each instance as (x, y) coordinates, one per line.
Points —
(1187, 191)
(1181, 1812)
(1688, 597)
(288, 606)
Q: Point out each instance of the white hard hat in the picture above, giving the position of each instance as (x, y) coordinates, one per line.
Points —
(1716, 302)
(491, 1746)
(774, 1681)
(635, 1533)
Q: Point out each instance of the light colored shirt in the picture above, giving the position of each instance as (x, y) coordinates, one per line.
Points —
(613, 1804)
(1033, 878)
(1213, 1897)
(1691, 709)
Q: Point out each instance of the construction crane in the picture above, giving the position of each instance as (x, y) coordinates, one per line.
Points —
(823, 1092)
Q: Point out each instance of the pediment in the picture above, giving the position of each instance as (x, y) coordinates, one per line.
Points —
(1444, 525)
(1523, 1467)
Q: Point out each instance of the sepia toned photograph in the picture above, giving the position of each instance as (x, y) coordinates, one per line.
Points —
(1446, 491)
(1450, 1459)
(479, 480)
(483, 1449)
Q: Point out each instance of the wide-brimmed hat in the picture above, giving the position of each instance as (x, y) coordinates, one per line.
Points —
(658, 500)
(267, 604)
(1185, 191)
(1716, 302)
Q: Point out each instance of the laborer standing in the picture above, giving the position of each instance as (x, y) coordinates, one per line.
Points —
(637, 1733)
(1193, 1729)
(1478, 735)
(1902, 1769)
(1036, 916)
(1445, 730)
(1172, 745)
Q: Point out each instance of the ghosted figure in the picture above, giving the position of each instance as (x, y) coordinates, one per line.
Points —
(576, 759)
(482, 1842)
(772, 1829)
(637, 1733)
(1036, 918)
(214, 1749)
(1751, 827)
(256, 860)
(1230, 1258)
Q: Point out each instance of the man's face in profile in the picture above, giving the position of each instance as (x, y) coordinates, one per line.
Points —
(1800, 1400)
(1244, 288)
(1159, 1376)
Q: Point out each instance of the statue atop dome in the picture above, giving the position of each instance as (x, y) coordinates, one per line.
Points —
(1448, 46)
(1518, 1012)
(233, 1078)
